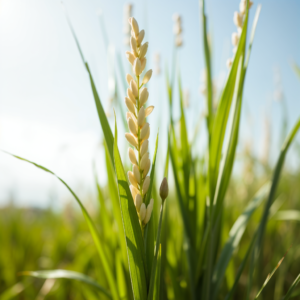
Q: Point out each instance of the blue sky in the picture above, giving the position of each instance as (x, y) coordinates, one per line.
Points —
(47, 112)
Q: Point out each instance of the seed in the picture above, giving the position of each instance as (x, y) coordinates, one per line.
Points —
(132, 157)
(148, 110)
(131, 139)
(132, 179)
(144, 96)
(146, 185)
(136, 173)
(147, 76)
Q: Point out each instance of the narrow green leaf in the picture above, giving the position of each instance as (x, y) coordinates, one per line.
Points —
(92, 228)
(101, 114)
(235, 236)
(296, 69)
(221, 118)
(291, 289)
(156, 294)
(13, 291)
(155, 259)
(209, 89)
(132, 229)
(149, 229)
(265, 216)
(269, 277)
(68, 275)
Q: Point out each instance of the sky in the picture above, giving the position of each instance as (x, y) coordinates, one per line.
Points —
(47, 111)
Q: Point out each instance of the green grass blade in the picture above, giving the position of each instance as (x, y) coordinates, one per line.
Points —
(155, 259)
(187, 227)
(132, 229)
(221, 118)
(291, 289)
(235, 236)
(67, 275)
(156, 293)
(13, 291)
(114, 198)
(265, 216)
(287, 215)
(208, 70)
(268, 278)
(149, 229)
(92, 228)
(101, 113)
(241, 269)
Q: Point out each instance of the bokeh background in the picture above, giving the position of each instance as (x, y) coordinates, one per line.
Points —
(47, 112)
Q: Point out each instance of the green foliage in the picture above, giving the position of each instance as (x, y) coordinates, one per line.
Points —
(187, 250)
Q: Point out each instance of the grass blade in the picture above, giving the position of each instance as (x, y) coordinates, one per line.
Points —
(13, 291)
(269, 277)
(67, 275)
(208, 71)
(92, 228)
(155, 259)
(265, 216)
(132, 229)
(221, 118)
(101, 113)
(149, 229)
(235, 236)
(291, 289)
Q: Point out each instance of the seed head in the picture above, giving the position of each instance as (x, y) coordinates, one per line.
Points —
(164, 189)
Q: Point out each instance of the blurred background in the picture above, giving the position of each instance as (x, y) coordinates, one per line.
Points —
(48, 115)
(47, 109)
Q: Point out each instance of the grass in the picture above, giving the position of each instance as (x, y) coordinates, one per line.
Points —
(206, 242)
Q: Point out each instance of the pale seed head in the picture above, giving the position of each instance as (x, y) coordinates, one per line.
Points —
(134, 89)
(135, 27)
(133, 46)
(142, 212)
(144, 94)
(144, 131)
(144, 160)
(134, 191)
(234, 38)
(132, 156)
(143, 63)
(144, 148)
(130, 57)
(132, 179)
(149, 212)
(131, 139)
(138, 202)
(141, 117)
(237, 19)
(136, 173)
(131, 96)
(147, 168)
(143, 50)
(149, 110)
(129, 105)
(129, 78)
(147, 76)
(146, 185)
(132, 126)
(140, 37)
(137, 67)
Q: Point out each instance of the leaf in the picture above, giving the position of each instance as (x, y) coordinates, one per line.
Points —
(101, 114)
(92, 228)
(13, 291)
(265, 216)
(155, 259)
(208, 71)
(132, 229)
(187, 228)
(156, 293)
(68, 275)
(291, 289)
(269, 277)
(221, 118)
(235, 236)
(149, 229)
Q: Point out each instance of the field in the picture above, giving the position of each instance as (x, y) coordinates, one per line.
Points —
(177, 218)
